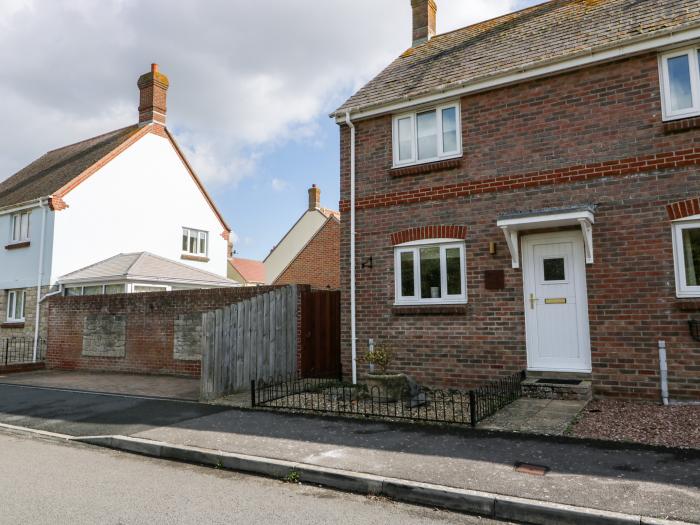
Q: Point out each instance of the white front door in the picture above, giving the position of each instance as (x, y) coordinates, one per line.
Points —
(556, 302)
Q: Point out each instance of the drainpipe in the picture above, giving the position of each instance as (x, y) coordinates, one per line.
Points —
(664, 372)
(353, 329)
(40, 278)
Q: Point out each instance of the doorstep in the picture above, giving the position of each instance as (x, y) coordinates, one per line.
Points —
(558, 385)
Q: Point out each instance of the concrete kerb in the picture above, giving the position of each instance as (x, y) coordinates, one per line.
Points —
(449, 498)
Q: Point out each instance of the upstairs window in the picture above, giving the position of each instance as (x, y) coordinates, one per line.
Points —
(15, 306)
(20, 226)
(427, 136)
(430, 272)
(686, 243)
(194, 242)
(680, 83)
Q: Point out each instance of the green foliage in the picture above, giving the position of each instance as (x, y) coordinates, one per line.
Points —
(293, 476)
(381, 356)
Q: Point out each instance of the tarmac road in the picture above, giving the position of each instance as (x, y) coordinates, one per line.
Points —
(47, 482)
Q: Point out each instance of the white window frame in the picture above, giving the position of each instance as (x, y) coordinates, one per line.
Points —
(415, 247)
(12, 296)
(23, 236)
(199, 233)
(694, 65)
(82, 287)
(414, 143)
(682, 289)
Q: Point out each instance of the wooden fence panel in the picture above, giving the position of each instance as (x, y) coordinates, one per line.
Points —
(252, 339)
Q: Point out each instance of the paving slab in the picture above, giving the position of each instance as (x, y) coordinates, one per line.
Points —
(538, 416)
(651, 482)
(131, 384)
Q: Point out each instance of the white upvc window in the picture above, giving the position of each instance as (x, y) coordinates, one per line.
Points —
(427, 135)
(680, 83)
(195, 242)
(686, 252)
(15, 306)
(19, 224)
(430, 272)
(94, 289)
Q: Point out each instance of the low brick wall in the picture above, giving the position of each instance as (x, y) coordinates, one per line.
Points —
(148, 333)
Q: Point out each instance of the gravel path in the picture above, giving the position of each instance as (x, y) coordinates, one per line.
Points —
(653, 424)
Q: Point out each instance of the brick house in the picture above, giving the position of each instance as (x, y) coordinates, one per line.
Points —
(127, 191)
(528, 191)
(309, 253)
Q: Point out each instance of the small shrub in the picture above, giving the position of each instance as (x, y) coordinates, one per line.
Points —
(381, 356)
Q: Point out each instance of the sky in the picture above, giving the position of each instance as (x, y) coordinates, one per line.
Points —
(251, 86)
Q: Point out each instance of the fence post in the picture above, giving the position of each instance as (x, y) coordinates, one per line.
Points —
(7, 350)
(472, 408)
(252, 393)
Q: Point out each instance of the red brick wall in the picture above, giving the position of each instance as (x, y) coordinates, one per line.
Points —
(586, 137)
(318, 264)
(149, 328)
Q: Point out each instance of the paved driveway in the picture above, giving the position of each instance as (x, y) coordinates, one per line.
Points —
(131, 384)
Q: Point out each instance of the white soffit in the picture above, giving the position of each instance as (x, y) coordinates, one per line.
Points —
(513, 224)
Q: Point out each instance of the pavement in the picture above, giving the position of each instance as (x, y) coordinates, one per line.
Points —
(109, 487)
(535, 416)
(646, 481)
(168, 387)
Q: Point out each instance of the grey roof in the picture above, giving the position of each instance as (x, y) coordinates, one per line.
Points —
(547, 211)
(145, 266)
(58, 167)
(543, 33)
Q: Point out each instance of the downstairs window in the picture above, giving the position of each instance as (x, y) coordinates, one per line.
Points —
(430, 272)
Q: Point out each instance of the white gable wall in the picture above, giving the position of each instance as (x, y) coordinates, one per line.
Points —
(140, 201)
(290, 246)
(20, 268)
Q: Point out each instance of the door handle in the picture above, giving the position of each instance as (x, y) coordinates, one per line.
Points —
(533, 301)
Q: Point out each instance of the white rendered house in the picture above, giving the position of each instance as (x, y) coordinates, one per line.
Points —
(126, 191)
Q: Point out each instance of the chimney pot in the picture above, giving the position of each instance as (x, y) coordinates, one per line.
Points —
(153, 87)
(314, 198)
(424, 20)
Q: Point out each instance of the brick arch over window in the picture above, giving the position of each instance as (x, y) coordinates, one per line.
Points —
(429, 232)
(682, 209)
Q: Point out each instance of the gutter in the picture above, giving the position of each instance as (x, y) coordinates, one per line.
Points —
(353, 327)
(636, 45)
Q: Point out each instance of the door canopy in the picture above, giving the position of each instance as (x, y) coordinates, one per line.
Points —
(514, 223)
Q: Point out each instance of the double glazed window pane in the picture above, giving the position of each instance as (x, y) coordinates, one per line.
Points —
(194, 242)
(427, 135)
(449, 130)
(681, 96)
(453, 268)
(430, 273)
(408, 287)
(114, 288)
(405, 139)
(691, 253)
(92, 290)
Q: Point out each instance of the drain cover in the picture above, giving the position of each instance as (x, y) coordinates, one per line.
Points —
(529, 468)
(560, 381)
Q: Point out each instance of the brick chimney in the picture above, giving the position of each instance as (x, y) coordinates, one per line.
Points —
(153, 87)
(314, 197)
(424, 14)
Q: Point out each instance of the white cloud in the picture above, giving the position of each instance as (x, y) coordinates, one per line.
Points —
(245, 76)
(279, 184)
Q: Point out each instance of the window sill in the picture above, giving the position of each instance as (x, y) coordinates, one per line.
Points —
(682, 124)
(426, 167)
(18, 245)
(17, 324)
(198, 258)
(429, 309)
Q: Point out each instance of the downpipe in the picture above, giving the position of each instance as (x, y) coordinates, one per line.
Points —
(353, 327)
(663, 369)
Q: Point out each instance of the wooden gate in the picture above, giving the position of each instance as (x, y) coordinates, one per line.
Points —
(252, 339)
(320, 319)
